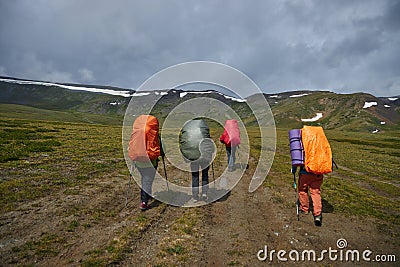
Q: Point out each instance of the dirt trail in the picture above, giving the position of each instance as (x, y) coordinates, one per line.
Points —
(247, 222)
(144, 248)
(228, 232)
(234, 227)
(81, 220)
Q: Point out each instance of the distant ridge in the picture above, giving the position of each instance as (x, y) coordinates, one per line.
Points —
(356, 112)
(79, 87)
(352, 112)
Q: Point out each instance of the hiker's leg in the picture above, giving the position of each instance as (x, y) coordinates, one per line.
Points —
(233, 156)
(147, 178)
(204, 178)
(303, 192)
(143, 194)
(228, 153)
(194, 167)
(315, 191)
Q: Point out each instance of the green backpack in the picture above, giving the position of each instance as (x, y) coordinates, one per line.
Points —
(195, 142)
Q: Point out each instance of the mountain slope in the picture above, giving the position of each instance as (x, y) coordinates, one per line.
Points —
(354, 112)
(14, 111)
(55, 97)
(93, 98)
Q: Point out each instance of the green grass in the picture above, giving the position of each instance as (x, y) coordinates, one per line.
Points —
(20, 112)
(45, 158)
(376, 155)
(39, 157)
(78, 155)
(186, 224)
(44, 247)
(18, 141)
(175, 250)
(72, 226)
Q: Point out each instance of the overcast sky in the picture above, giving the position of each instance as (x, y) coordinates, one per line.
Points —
(342, 46)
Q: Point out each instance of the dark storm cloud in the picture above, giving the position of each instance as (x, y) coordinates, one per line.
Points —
(343, 46)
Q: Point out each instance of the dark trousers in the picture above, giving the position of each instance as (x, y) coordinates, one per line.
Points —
(231, 153)
(194, 167)
(147, 176)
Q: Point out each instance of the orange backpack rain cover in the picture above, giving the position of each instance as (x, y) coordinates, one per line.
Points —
(144, 144)
(318, 154)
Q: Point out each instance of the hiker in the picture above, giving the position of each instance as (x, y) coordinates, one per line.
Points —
(197, 148)
(231, 138)
(310, 182)
(310, 150)
(145, 149)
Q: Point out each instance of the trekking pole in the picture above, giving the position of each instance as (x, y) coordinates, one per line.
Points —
(241, 165)
(297, 197)
(129, 185)
(219, 151)
(212, 168)
(165, 172)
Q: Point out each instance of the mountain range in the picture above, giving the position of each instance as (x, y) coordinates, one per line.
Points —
(354, 112)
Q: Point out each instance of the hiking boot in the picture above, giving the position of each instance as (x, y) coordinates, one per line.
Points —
(204, 196)
(302, 212)
(196, 198)
(318, 220)
(143, 206)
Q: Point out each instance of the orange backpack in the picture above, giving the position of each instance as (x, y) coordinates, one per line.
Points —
(318, 154)
(144, 144)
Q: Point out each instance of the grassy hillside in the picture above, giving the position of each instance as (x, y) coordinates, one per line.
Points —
(56, 98)
(30, 113)
(339, 111)
(63, 198)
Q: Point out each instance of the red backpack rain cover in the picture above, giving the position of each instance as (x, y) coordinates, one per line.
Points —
(231, 135)
(144, 144)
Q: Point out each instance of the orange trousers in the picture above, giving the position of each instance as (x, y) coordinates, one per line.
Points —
(313, 183)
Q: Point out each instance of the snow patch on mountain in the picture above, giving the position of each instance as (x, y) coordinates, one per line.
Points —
(71, 87)
(369, 104)
(183, 94)
(233, 98)
(299, 95)
(317, 117)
